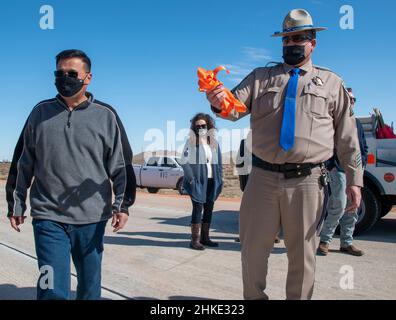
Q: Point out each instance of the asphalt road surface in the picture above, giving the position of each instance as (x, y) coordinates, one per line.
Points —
(150, 258)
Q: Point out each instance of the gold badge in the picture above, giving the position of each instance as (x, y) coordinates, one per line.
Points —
(317, 81)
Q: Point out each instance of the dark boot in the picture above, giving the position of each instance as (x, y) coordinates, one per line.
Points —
(352, 250)
(205, 240)
(195, 244)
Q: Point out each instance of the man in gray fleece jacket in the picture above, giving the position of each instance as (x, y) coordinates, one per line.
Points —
(75, 151)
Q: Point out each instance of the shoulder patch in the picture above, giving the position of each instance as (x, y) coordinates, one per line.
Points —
(186, 152)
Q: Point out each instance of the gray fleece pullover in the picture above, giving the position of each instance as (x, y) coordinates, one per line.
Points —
(74, 159)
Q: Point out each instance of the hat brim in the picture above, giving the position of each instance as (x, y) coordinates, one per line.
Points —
(281, 34)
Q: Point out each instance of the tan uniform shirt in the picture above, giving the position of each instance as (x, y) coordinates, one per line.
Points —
(323, 118)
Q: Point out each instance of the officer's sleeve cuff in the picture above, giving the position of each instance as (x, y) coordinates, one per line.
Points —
(354, 178)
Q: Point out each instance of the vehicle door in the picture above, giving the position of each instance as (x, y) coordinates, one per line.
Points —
(170, 173)
(150, 174)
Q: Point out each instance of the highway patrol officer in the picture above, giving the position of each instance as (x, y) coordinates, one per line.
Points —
(299, 113)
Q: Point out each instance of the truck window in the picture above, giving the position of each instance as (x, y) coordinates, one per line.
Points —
(168, 162)
(152, 162)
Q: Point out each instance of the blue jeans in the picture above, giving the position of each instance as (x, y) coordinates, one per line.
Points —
(55, 242)
(336, 212)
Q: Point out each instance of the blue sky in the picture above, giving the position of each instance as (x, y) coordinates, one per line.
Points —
(145, 54)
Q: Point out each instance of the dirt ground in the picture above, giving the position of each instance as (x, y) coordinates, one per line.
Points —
(4, 167)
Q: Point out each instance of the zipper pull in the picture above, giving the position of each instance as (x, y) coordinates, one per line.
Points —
(68, 119)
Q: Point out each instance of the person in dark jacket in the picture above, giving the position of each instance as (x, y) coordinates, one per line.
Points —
(338, 201)
(73, 151)
(203, 177)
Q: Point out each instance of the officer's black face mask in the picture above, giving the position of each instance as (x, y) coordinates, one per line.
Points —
(293, 55)
(68, 86)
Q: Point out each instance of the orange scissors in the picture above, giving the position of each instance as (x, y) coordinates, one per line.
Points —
(207, 81)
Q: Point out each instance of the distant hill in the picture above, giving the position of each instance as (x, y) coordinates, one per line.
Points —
(139, 158)
(228, 157)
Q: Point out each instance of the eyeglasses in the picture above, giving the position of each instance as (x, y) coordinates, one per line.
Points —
(202, 126)
(353, 100)
(70, 73)
(297, 38)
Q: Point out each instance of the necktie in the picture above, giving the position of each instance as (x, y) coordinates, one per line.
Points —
(289, 112)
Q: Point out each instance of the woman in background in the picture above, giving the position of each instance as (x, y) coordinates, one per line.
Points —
(203, 177)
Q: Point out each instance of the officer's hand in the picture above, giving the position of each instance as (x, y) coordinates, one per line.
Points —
(119, 221)
(216, 96)
(354, 196)
(16, 221)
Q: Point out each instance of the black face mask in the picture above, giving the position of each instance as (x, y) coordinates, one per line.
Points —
(67, 86)
(293, 55)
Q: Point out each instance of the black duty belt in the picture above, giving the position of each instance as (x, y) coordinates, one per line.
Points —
(290, 170)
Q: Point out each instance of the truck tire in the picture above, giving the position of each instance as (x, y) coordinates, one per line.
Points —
(369, 212)
(152, 190)
(180, 188)
(385, 208)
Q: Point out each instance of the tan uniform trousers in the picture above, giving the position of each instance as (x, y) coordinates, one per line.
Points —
(269, 202)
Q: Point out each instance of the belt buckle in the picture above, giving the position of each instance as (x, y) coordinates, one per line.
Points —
(290, 166)
(298, 172)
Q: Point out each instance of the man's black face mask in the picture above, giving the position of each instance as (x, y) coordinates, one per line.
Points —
(68, 86)
(293, 55)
